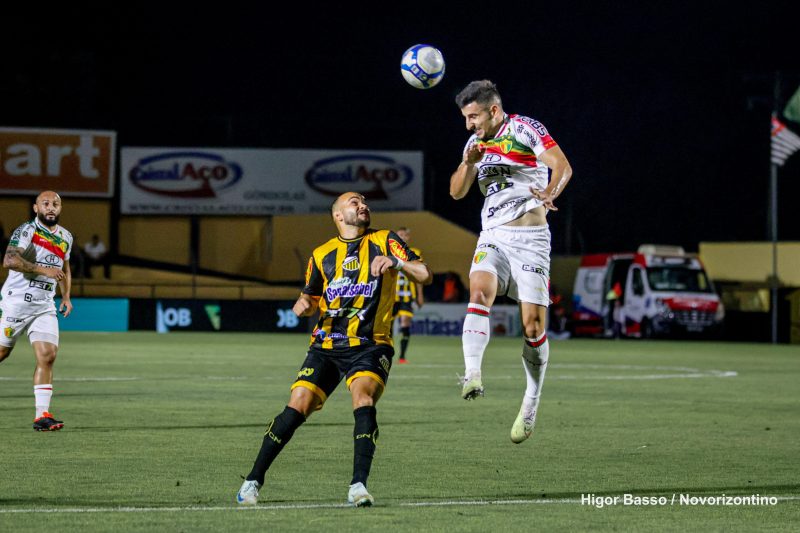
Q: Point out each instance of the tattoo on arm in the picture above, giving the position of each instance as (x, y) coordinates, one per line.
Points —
(14, 261)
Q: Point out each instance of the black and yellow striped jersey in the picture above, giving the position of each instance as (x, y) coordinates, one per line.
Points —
(407, 289)
(355, 308)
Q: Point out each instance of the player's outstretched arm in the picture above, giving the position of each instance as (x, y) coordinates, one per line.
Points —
(13, 261)
(561, 172)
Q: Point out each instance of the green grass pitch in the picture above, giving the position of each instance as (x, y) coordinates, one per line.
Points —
(159, 429)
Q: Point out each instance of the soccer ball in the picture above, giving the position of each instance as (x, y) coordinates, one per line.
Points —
(422, 66)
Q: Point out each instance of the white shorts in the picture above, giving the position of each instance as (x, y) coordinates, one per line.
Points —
(39, 327)
(520, 258)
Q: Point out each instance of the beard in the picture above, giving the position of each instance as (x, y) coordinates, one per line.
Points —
(49, 223)
(352, 219)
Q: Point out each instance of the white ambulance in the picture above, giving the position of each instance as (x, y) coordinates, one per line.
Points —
(657, 291)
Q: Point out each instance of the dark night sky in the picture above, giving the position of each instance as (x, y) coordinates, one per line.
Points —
(662, 111)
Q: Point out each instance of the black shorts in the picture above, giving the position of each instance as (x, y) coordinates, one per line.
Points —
(403, 309)
(323, 370)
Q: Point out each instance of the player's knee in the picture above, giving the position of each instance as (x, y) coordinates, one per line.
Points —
(304, 401)
(363, 400)
(47, 356)
(481, 296)
(534, 329)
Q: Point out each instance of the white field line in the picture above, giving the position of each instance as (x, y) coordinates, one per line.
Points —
(301, 506)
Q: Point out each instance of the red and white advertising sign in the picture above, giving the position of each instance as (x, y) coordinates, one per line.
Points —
(70, 162)
(222, 181)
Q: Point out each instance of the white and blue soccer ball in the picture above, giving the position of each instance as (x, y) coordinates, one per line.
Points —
(422, 66)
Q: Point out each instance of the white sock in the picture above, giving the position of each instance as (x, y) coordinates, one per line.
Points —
(475, 337)
(535, 353)
(42, 394)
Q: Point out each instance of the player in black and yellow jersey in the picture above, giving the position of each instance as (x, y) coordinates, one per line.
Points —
(351, 281)
(407, 294)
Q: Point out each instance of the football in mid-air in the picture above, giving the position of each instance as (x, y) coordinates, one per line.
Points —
(422, 66)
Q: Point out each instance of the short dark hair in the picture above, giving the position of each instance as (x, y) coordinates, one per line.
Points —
(483, 92)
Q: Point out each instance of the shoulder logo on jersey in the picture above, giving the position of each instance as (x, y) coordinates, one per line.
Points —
(351, 263)
(308, 269)
(397, 250)
(480, 256)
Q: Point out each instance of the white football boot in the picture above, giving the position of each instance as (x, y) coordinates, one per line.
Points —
(358, 495)
(248, 494)
(523, 425)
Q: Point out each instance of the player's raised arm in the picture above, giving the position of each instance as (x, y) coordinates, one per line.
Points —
(464, 176)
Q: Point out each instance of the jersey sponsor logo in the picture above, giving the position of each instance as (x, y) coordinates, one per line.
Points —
(351, 263)
(28, 297)
(13, 320)
(185, 174)
(533, 140)
(494, 172)
(480, 256)
(534, 269)
(351, 289)
(43, 285)
(488, 245)
(397, 250)
(496, 187)
(349, 312)
(51, 259)
(491, 158)
(507, 205)
(536, 125)
(371, 175)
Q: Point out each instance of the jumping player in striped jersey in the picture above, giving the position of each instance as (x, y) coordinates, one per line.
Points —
(38, 259)
(510, 156)
(351, 281)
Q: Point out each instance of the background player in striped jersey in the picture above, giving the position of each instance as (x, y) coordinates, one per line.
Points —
(509, 156)
(38, 259)
(351, 280)
(408, 293)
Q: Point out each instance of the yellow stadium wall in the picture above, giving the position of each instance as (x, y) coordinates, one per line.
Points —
(751, 261)
(155, 238)
(234, 245)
